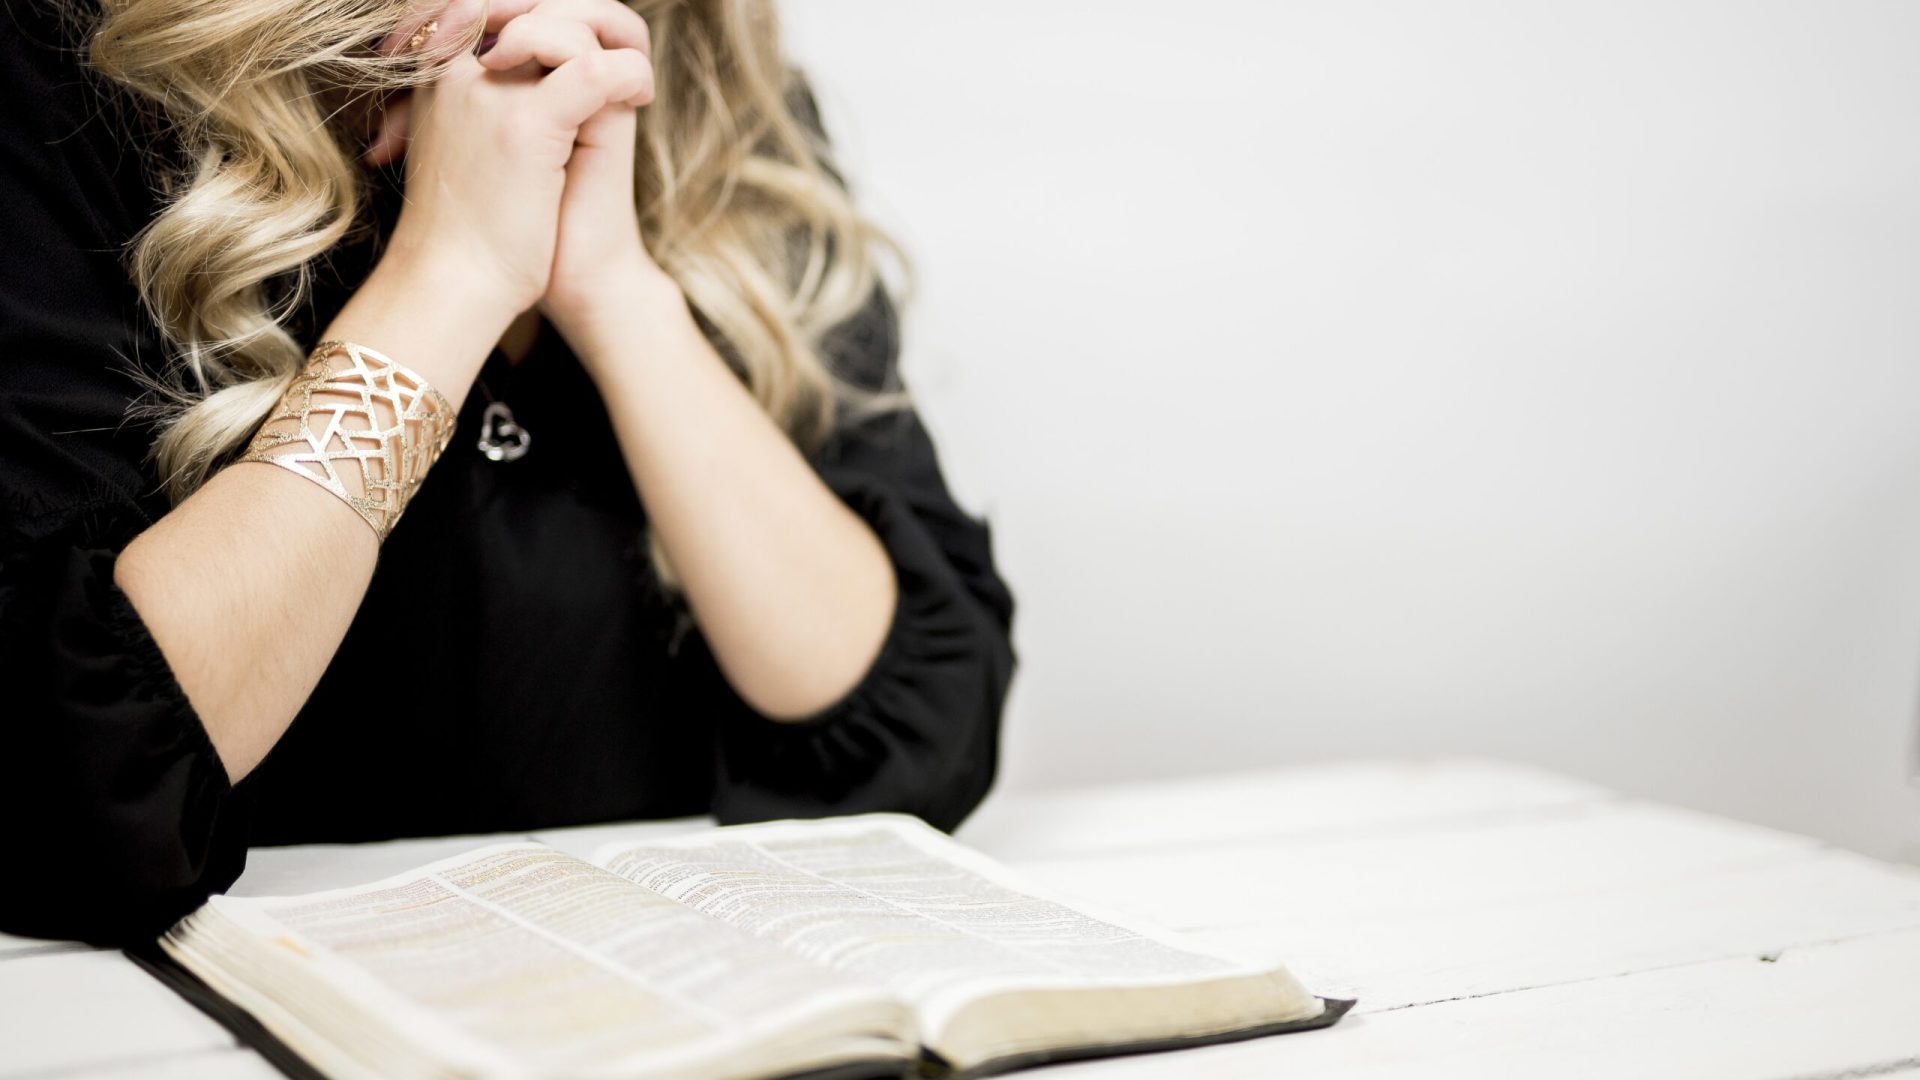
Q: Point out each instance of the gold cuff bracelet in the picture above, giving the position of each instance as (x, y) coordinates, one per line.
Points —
(354, 405)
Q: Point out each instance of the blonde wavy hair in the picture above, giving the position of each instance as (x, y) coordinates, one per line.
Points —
(739, 199)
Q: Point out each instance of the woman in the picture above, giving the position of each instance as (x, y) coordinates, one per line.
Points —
(636, 522)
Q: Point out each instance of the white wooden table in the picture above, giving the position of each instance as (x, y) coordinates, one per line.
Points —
(1493, 920)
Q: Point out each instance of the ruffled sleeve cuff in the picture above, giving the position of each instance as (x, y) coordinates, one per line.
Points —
(113, 787)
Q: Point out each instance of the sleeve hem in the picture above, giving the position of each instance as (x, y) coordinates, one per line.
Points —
(151, 670)
(146, 663)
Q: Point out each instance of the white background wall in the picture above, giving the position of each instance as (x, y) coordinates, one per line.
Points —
(1530, 380)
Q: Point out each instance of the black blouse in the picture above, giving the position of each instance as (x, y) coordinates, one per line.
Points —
(515, 664)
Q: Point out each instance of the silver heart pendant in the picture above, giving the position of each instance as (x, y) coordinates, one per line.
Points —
(500, 438)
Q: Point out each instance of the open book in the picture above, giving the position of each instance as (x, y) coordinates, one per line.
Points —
(853, 947)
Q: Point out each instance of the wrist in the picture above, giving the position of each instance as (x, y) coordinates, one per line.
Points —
(467, 272)
(429, 314)
(619, 312)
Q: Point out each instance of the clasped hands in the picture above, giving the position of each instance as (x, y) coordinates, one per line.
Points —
(519, 159)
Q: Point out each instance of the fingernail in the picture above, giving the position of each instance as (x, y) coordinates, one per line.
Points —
(486, 43)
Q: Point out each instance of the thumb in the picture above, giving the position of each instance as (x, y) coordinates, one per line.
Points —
(600, 172)
(607, 141)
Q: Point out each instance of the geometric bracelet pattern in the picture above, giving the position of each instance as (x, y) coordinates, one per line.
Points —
(360, 425)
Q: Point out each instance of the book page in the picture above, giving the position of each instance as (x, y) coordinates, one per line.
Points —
(890, 898)
(548, 961)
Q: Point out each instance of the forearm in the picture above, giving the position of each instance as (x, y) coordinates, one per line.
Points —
(792, 590)
(249, 585)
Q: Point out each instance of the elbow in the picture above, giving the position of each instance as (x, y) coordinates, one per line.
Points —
(961, 780)
(944, 710)
(116, 865)
(124, 891)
